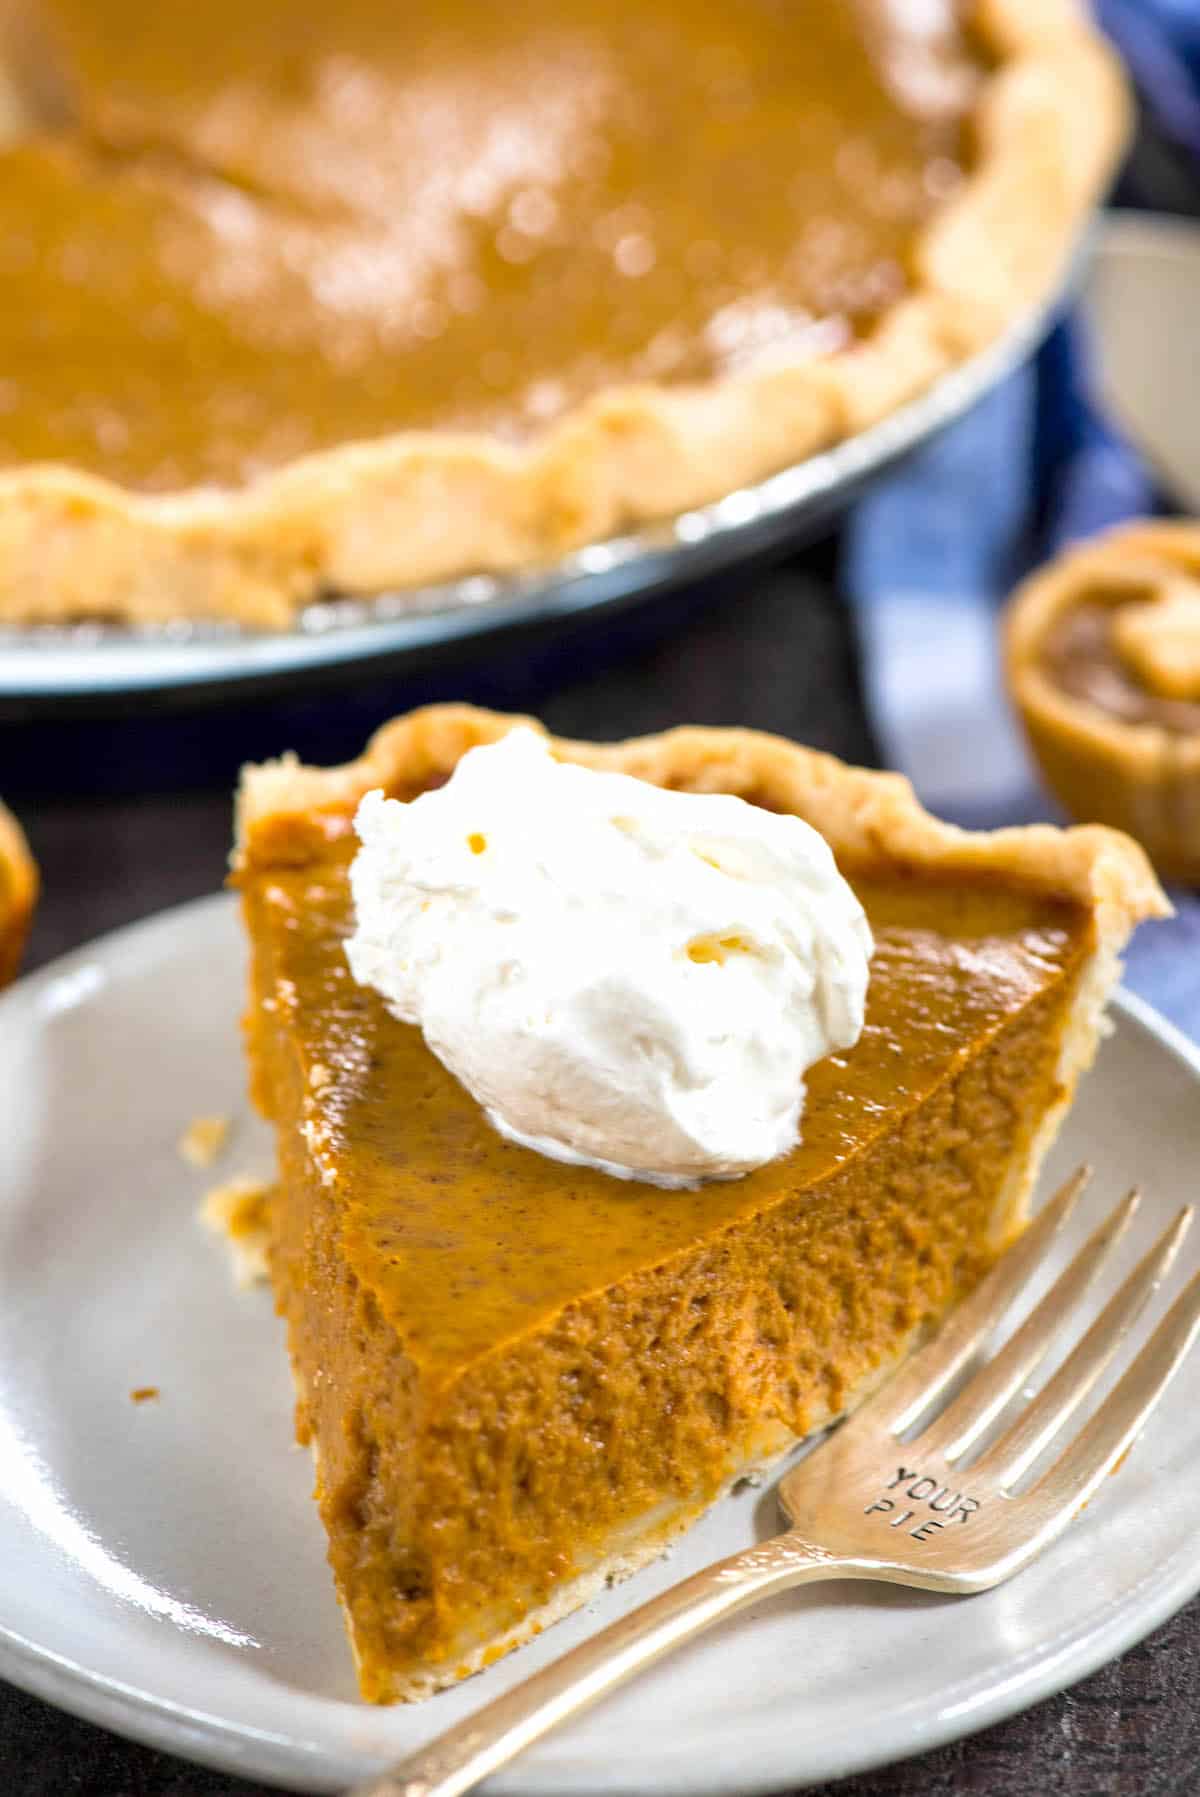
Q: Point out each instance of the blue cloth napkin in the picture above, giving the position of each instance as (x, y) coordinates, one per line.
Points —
(1160, 43)
(931, 552)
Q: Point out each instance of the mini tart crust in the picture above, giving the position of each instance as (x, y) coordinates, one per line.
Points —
(1140, 778)
(18, 893)
(872, 821)
(427, 506)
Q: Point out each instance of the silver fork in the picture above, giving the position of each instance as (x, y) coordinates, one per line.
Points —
(882, 1499)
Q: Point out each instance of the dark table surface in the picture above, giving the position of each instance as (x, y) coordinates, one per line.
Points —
(130, 815)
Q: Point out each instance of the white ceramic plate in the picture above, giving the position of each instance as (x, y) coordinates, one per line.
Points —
(163, 1565)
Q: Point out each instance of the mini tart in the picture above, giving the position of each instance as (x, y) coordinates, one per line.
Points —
(202, 271)
(1103, 661)
(18, 893)
(521, 1379)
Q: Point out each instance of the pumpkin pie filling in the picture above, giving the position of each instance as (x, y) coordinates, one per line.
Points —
(277, 233)
(520, 1377)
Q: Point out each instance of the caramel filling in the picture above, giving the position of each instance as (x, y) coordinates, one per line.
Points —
(1135, 658)
(277, 228)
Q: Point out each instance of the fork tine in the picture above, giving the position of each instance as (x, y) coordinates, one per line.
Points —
(984, 1397)
(925, 1375)
(1035, 1429)
(1114, 1428)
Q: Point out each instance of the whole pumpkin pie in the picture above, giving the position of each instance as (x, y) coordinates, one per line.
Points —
(301, 297)
(18, 893)
(1103, 651)
(522, 1378)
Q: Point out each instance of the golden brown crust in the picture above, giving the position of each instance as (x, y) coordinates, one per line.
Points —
(18, 893)
(423, 506)
(871, 820)
(1140, 778)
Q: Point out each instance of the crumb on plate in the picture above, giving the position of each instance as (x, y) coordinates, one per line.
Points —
(142, 1393)
(237, 1210)
(203, 1140)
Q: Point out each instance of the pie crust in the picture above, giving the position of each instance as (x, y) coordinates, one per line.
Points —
(871, 820)
(429, 506)
(1139, 777)
(350, 1349)
(18, 893)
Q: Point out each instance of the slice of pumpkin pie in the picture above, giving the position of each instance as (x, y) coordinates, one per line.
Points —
(521, 1374)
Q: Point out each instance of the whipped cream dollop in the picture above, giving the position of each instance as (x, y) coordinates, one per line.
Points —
(624, 977)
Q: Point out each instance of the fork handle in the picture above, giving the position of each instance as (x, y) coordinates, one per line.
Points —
(496, 1734)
